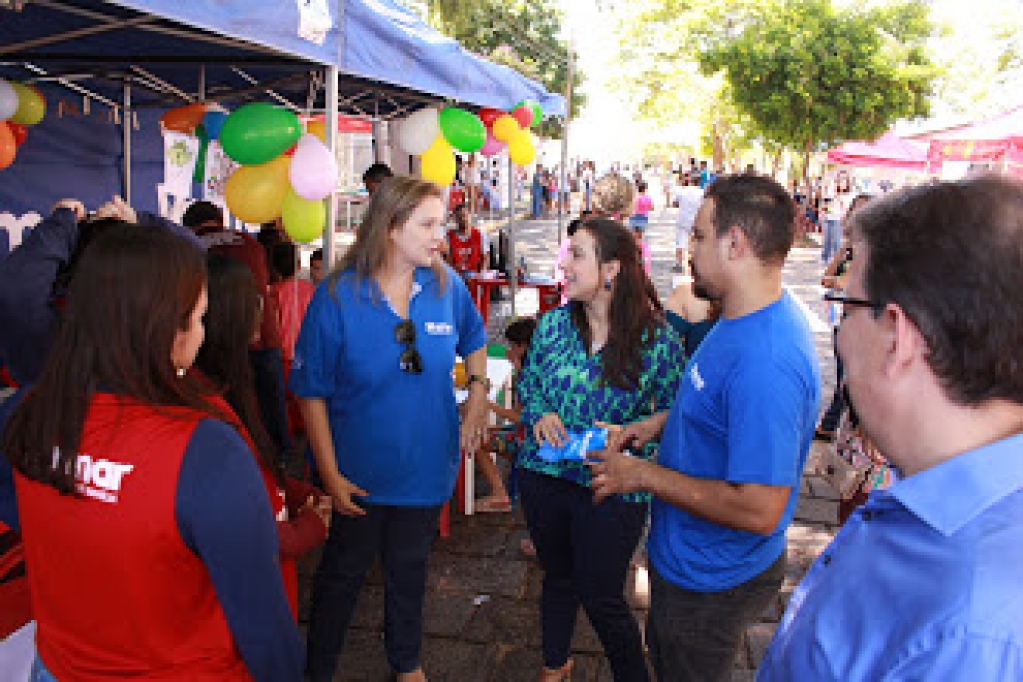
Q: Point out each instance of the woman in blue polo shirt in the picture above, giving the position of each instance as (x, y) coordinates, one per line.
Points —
(372, 371)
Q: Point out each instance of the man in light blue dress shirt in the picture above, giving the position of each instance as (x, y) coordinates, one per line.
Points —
(925, 582)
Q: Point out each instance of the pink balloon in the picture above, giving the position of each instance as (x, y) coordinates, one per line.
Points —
(492, 146)
(313, 171)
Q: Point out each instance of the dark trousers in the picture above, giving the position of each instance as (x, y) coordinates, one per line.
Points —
(693, 636)
(402, 537)
(829, 422)
(584, 550)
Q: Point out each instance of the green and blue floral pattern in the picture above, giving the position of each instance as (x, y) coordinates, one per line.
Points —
(560, 376)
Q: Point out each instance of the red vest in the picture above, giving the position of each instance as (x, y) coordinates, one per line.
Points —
(466, 256)
(116, 592)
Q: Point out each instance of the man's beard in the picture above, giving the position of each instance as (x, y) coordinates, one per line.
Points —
(700, 289)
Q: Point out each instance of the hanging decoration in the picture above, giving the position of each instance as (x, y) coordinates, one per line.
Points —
(433, 135)
(21, 106)
(284, 169)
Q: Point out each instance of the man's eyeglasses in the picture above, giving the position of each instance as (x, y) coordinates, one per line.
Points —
(833, 297)
(409, 360)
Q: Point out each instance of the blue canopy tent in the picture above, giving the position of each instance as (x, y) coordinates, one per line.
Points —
(370, 58)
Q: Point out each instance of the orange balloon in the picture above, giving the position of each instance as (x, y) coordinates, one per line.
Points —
(8, 147)
(183, 119)
(317, 128)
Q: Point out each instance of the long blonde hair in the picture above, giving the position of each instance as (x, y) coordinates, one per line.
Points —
(389, 208)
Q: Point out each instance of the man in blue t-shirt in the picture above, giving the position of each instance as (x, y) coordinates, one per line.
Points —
(733, 446)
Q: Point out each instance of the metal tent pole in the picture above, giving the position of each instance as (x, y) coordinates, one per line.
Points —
(510, 262)
(126, 137)
(331, 106)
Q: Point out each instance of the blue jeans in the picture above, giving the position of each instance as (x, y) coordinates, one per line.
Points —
(402, 537)
(829, 422)
(584, 550)
(832, 239)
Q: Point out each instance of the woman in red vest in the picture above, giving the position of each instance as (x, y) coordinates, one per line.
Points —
(150, 545)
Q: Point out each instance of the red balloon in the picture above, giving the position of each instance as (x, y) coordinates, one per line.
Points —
(488, 115)
(8, 150)
(524, 115)
(19, 132)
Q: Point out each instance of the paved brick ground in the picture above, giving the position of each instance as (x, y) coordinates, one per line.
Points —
(482, 622)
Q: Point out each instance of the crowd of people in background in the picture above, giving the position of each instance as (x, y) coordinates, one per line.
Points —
(193, 415)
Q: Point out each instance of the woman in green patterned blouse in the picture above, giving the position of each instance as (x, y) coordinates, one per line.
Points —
(607, 356)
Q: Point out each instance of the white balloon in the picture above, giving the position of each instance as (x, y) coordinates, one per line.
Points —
(418, 131)
(8, 100)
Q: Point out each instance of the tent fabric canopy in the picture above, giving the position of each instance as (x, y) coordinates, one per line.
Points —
(168, 46)
(889, 151)
(996, 139)
(83, 54)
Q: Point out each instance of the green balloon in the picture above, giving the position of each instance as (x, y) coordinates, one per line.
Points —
(259, 132)
(463, 131)
(535, 107)
(200, 163)
(537, 113)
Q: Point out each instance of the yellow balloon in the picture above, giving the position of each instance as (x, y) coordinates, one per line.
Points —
(255, 194)
(303, 219)
(505, 128)
(438, 163)
(521, 149)
(31, 106)
(317, 128)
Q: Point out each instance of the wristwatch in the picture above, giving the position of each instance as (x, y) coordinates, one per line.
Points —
(478, 378)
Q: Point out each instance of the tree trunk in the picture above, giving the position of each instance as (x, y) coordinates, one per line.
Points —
(719, 155)
(806, 162)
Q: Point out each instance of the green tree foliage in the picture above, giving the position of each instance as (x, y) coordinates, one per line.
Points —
(808, 74)
(520, 35)
(798, 74)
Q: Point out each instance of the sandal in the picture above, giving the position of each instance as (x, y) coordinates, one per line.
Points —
(490, 505)
(823, 435)
(559, 675)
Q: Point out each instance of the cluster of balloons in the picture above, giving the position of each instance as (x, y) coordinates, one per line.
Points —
(286, 170)
(20, 106)
(432, 134)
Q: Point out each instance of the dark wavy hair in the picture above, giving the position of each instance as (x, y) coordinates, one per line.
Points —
(636, 313)
(950, 254)
(134, 289)
(231, 319)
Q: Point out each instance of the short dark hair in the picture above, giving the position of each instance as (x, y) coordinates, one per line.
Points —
(283, 258)
(202, 212)
(641, 185)
(760, 207)
(378, 172)
(520, 331)
(316, 255)
(950, 254)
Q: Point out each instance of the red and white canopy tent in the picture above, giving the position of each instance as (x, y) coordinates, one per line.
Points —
(997, 140)
(888, 151)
